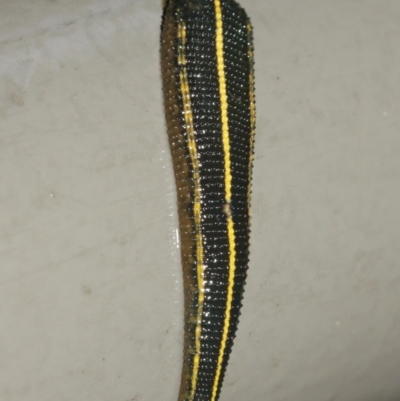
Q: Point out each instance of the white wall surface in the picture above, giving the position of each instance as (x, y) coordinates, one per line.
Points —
(90, 276)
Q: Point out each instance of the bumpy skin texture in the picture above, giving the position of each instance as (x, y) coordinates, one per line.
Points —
(208, 84)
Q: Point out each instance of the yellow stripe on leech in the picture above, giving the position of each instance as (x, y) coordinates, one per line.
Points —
(228, 191)
(223, 99)
(188, 115)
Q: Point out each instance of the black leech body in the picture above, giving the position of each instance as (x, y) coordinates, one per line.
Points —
(207, 66)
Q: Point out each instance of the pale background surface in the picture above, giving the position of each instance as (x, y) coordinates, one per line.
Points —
(90, 277)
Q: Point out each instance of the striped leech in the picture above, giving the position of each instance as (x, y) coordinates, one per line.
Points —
(208, 85)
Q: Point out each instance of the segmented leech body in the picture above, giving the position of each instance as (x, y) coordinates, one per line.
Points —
(208, 83)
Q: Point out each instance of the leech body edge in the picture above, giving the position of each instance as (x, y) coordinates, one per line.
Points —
(208, 84)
